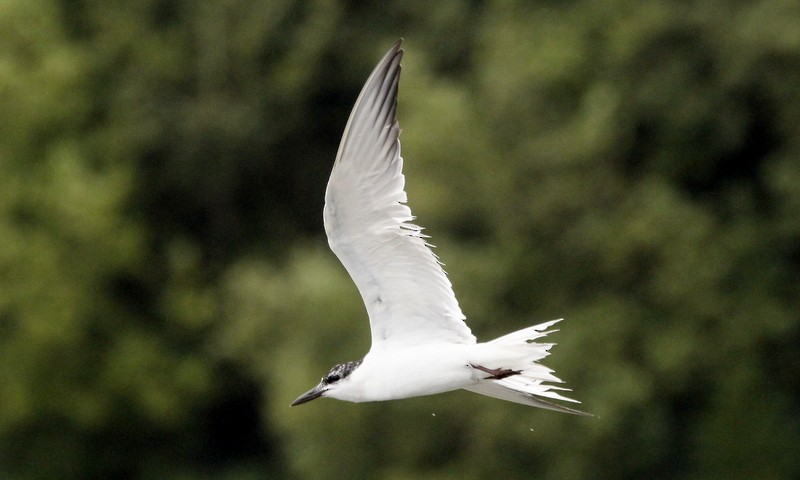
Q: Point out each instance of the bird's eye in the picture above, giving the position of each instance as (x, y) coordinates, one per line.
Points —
(332, 378)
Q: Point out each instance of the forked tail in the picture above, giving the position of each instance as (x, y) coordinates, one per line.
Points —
(528, 381)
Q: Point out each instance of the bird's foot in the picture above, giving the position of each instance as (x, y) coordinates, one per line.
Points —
(495, 373)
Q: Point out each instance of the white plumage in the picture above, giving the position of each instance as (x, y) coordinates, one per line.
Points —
(420, 343)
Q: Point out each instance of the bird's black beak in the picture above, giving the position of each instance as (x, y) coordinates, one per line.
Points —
(315, 392)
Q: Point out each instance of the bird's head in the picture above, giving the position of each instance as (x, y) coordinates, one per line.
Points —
(335, 378)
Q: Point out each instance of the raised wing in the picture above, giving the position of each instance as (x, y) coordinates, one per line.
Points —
(408, 296)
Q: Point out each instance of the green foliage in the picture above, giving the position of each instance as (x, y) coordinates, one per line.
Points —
(166, 290)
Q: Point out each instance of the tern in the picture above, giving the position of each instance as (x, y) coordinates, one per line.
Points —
(420, 342)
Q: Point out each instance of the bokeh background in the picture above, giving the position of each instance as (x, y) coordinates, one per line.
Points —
(166, 289)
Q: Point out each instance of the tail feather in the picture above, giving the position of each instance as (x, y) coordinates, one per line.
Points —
(519, 383)
(528, 386)
(527, 335)
(498, 391)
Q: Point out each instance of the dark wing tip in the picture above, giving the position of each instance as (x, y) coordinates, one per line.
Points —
(395, 51)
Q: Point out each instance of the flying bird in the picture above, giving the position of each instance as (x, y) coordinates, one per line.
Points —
(420, 342)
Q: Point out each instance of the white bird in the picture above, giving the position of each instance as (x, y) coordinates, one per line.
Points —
(420, 343)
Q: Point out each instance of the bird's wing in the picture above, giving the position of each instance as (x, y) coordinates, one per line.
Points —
(407, 294)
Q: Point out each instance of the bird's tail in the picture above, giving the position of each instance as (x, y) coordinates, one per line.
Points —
(530, 384)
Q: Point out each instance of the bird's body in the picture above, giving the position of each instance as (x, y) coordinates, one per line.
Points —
(420, 343)
(394, 373)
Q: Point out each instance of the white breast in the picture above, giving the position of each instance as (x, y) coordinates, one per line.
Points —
(393, 373)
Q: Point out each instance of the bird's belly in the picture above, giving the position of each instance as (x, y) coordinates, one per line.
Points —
(414, 371)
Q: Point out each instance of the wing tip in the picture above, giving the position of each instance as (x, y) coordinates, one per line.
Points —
(396, 52)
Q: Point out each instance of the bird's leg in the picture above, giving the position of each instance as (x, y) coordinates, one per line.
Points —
(496, 373)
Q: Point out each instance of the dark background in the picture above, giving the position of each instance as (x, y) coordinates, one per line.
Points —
(166, 288)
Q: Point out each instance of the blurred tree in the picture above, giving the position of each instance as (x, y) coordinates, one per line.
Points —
(166, 290)
(101, 375)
